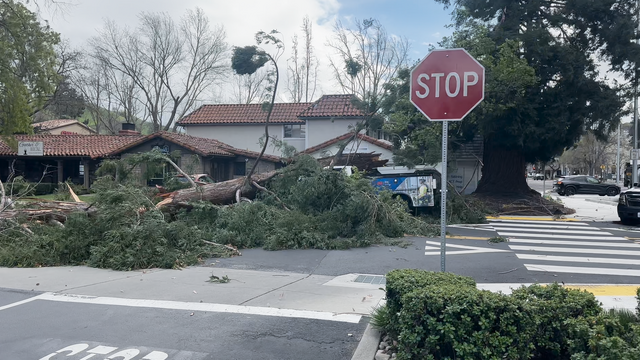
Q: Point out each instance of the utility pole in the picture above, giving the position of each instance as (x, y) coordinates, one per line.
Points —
(634, 165)
(618, 157)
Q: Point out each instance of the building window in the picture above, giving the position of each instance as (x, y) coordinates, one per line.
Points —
(295, 131)
(379, 134)
(240, 169)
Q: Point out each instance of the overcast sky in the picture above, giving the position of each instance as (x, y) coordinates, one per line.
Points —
(422, 22)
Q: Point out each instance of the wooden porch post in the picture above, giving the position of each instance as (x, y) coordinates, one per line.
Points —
(87, 173)
(60, 171)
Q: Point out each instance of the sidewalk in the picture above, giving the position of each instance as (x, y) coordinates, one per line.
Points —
(283, 294)
(591, 208)
(292, 291)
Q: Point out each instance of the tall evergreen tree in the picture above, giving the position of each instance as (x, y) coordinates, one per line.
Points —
(561, 41)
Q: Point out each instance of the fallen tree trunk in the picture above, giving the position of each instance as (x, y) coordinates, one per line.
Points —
(221, 193)
(48, 210)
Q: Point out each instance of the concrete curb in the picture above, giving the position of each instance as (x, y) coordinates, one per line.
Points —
(606, 202)
(368, 345)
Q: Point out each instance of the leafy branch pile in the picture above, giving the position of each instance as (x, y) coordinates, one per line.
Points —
(124, 229)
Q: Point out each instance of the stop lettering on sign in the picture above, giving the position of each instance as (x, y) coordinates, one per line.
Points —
(447, 84)
(452, 84)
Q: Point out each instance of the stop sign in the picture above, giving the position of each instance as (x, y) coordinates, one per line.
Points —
(447, 84)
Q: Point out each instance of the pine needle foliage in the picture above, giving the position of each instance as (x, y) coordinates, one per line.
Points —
(126, 233)
(326, 210)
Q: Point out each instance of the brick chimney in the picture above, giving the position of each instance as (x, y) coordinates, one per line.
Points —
(128, 129)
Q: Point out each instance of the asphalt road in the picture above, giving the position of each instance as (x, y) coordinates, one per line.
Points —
(579, 250)
(54, 330)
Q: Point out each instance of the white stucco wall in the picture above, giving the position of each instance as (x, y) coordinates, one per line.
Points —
(462, 173)
(365, 147)
(245, 137)
(319, 131)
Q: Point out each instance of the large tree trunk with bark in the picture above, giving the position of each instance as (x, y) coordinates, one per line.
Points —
(48, 210)
(503, 172)
(221, 193)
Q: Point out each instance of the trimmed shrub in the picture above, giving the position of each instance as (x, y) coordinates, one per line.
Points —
(443, 316)
(638, 299)
(604, 337)
(552, 306)
(460, 322)
(405, 281)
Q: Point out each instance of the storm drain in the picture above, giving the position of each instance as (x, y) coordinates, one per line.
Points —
(371, 279)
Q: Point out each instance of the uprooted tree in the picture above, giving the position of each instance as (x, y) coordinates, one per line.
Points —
(127, 230)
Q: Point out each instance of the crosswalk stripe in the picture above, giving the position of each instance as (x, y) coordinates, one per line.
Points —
(583, 237)
(574, 250)
(541, 243)
(590, 232)
(575, 243)
(538, 222)
(582, 270)
(595, 260)
(547, 226)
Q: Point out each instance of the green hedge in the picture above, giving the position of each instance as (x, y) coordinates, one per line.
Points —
(405, 281)
(452, 322)
(551, 306)
(444, 316)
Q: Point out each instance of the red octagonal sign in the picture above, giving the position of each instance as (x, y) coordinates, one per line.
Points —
(447, 85)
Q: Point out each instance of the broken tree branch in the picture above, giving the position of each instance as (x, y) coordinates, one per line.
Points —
(224, 246)
(271, 193)
(73, 194)
(175, 166)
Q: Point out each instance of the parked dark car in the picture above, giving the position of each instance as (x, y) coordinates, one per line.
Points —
(583, 184)
(629, 206)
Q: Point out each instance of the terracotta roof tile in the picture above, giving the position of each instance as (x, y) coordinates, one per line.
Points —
(199, 145)
(100, 146)
(381, 143)
(53, 124)
(332, 106)
(283, 113)
(93, 146)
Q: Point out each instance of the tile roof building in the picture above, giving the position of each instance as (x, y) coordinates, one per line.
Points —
(299, 125)
(62, 127)
(65, 157)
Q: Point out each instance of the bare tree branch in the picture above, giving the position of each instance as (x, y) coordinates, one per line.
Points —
(170, 64)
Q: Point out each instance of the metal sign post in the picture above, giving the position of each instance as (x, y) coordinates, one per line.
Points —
(445, 86)
(443, 203)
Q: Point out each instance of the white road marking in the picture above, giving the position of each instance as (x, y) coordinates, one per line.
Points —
(576, 243)
(583, 237)
(539, 222)
(127, 354)
(595, 260)
(17, 303)
(467, 249)
(543, 226)
(482, 228)
(575, 250)
(188, 306)
(582, 270)
(590, 232)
